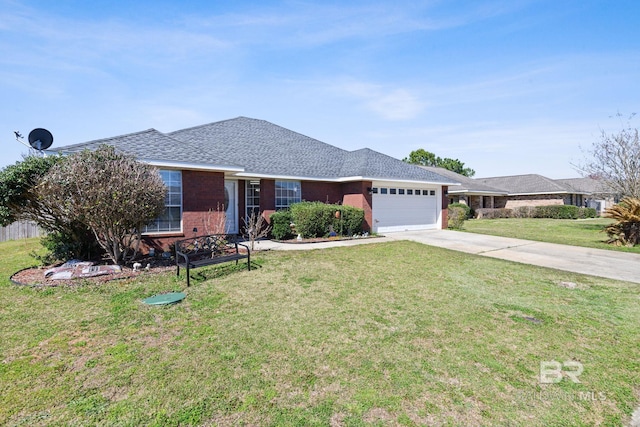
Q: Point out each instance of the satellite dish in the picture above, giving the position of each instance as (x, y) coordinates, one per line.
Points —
(40, 139)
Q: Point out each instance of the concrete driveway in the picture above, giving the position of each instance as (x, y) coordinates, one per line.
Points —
(595, 262)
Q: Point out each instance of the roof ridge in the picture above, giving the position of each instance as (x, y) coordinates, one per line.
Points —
(209, 124)
(93, 141)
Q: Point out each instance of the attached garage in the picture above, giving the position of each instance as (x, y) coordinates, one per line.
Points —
(405, 207)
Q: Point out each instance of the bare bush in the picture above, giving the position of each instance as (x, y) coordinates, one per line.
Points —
(215, 222)
(255, 227)
(111, 193)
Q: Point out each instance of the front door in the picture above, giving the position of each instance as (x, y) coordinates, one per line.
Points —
(231, 206)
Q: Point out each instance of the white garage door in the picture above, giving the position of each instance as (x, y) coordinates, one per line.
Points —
(402, 208)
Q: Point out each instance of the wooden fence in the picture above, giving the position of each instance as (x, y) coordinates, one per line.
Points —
(19, 230)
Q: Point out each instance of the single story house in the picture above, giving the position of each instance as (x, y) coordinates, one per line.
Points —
(471, 192)
(245, 165)
(526, 190)
(599, 196)
(534, 190)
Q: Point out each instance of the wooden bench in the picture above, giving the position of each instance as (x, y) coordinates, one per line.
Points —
(211, 249)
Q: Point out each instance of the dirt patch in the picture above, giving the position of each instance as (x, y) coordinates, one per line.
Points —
(36, 276)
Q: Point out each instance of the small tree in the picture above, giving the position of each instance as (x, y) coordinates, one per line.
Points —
(615, 160)
(20, 201)
(111, 193)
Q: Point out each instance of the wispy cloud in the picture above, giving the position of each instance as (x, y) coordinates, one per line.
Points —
(386, 102)
(308, 23)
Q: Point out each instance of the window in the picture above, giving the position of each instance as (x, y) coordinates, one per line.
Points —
(170, 220)
(253, 198)
(392, 191)
(417, 193)
(400, 190)
(409, 192)
(432, 192)
(287, 192)
(425, 192)
(374, 190)
(383, 191)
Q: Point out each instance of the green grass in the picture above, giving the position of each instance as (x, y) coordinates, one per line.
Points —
(582, 232)
(379, 334)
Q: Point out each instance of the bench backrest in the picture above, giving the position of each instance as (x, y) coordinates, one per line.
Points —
(212, 244)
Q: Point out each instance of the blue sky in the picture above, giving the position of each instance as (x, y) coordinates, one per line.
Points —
(508, 87)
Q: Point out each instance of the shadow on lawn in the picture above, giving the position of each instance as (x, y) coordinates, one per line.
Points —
(221, 271)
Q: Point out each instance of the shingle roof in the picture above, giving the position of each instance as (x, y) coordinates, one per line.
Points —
(265, 148)
(262, 148)
(151, 145)
(585, 185)
(527, 184)
(467, 185)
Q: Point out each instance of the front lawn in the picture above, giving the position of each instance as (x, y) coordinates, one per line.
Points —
(380, 334)
(575, 232)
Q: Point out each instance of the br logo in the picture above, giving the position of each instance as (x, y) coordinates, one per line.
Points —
(553, 372)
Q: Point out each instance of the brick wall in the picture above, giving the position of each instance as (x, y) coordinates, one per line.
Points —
(356, 194)
(203, 199)
(445, 206)
(267, 197)
(325, 192)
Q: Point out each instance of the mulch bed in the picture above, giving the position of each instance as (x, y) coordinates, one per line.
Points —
(35, 276)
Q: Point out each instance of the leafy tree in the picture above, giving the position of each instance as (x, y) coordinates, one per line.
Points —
(111, 193)
(421, 157)
(615, 160)
(426, 158)
(19, 201)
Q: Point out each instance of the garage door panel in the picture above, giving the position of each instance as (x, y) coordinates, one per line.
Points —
(392, 212)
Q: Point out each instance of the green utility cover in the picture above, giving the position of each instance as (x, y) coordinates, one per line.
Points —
(162, 299)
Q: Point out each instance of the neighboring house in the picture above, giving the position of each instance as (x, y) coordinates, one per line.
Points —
(471, 192)
(533, 190)
(526, 190)
(243, 165)
(598, 196)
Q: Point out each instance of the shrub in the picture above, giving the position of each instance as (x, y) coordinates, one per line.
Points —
(313, 219)
(456, 216)
(556, 212)
(549, 211)
(63, 246)
(280, 223)
(468, 212)
(626, 230)
(488, 213)
(350, 221)
(523, 211)
(587, 213)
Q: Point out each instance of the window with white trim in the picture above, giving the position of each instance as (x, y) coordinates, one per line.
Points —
(170, 220)
(287, 193)
(252, 198)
